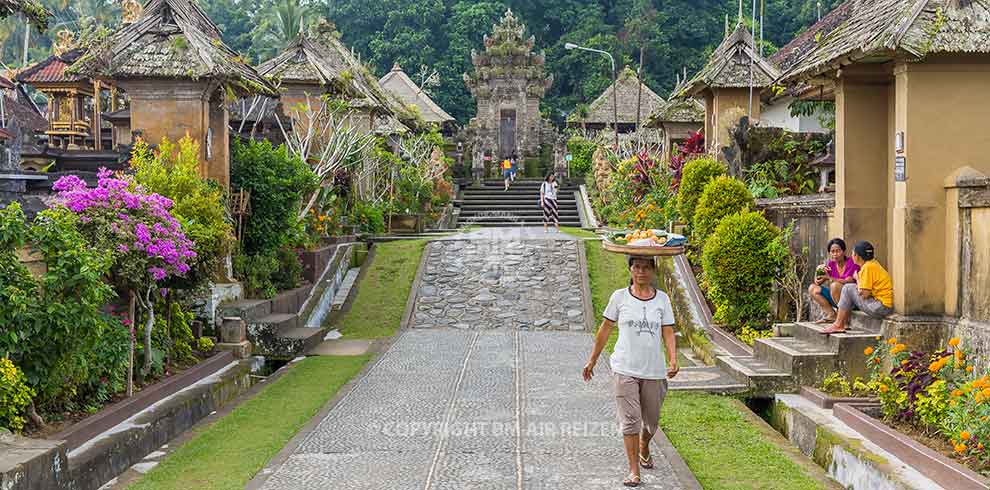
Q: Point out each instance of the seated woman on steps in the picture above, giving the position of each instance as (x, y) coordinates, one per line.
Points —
(873, 292)
(839, 271)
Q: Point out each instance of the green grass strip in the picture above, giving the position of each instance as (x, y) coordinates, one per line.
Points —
(723, 447)
(382, 293)
(227, 454)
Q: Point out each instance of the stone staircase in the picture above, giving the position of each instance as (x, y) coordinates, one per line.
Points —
(489, 204)
(806, 357)
(274, 326)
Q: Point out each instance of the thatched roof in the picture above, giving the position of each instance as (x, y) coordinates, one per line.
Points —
(734, 64)
(400, 85)
(17, 106)
(36, 13)
(680, 110)
(323, 60)
(172, 39)
(882, 29)
(626, 88)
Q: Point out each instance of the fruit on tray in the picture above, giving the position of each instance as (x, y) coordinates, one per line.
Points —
(644, 238)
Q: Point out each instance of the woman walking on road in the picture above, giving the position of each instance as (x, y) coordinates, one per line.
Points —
(548, 202)
(646, 319)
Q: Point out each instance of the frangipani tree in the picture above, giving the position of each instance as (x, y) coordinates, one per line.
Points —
(136, 227)
(322, 135)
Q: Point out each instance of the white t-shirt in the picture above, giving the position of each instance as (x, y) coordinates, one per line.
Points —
(549, 190)
(639, 349)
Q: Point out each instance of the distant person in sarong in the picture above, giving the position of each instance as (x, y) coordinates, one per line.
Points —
(548, 202)
(646, 330)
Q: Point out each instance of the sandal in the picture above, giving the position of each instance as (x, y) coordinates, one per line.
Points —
(646, 463)
(833, 329)
(824, 320)
(632, 481)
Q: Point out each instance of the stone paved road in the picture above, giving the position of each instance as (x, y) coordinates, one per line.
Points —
(492, 403)
(451, 409)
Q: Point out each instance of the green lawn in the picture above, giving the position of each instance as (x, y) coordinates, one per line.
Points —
(381, 295)
(725, 448)
(228, 453)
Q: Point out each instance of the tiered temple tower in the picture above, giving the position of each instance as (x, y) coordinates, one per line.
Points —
(508, 82)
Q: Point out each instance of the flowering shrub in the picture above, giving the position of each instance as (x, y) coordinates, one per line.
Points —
(749, 335)
(15, 396)
(693, 148)
(937, 392)
(637, 194)
(135, 226)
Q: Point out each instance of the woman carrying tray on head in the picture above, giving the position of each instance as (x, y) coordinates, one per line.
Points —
(548, 201)
(646, 329)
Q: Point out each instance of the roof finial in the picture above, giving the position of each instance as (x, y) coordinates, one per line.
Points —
(396, 67)
(740, 21)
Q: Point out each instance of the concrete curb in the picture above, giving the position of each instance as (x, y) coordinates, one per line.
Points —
(684, 475)
(589, 310)
(414, 292)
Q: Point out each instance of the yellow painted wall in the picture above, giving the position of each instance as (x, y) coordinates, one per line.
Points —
(735, 101)
(861, 172)
(945, 128)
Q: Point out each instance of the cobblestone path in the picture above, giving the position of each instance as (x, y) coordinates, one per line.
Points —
(494, 404)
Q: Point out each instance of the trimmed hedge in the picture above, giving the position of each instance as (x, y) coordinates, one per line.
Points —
(696, 174)
(722, 196)
(741, 259)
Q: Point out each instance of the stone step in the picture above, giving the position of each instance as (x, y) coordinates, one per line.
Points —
(345, 288)
(512, 223)
(534, 204)
(848, 347)
(858, 320)
(808, 363)
(518, 212)
(296, 341)
(511, 197)
(247, 309)
(762, 379)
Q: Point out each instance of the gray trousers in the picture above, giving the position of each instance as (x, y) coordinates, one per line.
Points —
(851, 300)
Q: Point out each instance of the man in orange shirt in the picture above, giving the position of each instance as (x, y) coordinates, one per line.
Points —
(506, 172)
(872, 293)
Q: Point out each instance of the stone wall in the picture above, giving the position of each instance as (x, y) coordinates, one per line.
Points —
(967, 271)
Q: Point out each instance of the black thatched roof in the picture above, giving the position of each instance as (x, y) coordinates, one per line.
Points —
(883, 29)
(172, 39)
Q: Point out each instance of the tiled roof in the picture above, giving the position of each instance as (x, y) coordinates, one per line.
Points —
(53, 69)
(6, 84)
(915, 28)
(734, 64)
(19, 108)
(627, 97)
(173, 39)
(399, 84)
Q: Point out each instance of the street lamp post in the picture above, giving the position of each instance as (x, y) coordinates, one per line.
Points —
(615, 105)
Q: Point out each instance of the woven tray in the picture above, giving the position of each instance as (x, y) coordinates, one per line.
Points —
(642, 251)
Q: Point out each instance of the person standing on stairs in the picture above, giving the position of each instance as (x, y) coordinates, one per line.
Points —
(646, 329)
(515, 166)
(839, 271)
(872, 293)
(548, 202)
(506, 172)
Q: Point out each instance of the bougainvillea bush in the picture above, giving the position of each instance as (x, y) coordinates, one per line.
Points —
(135, 227)
(938, 393)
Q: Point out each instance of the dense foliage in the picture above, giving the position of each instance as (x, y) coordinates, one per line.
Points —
(696, 175)
(781, 162)
(636, 195)
(15, 396)
(439, 35)
(582, 153)
(722, 197)
(52, 326)
(197, 204)
(741, 259)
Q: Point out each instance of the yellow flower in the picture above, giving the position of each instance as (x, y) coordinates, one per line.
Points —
(986, 392)
(983, 418)
(964, 435)
(898, 348)
(954, 341)
(960, 355)
(868, 351)
(876, 360)
(957, 392)
(892, 341)
(969, 369)
(960, 448)
(883, 388)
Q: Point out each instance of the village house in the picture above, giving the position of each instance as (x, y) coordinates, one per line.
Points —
(177, 73)
(910, 150)
(414, 97)
(678, 119)
(629, 94)
(730, 85)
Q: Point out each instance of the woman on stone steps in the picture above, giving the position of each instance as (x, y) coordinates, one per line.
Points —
(548, 201)
(646, 329)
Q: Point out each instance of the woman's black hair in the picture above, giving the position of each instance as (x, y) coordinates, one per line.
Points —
(836, 241)
(551, 174)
